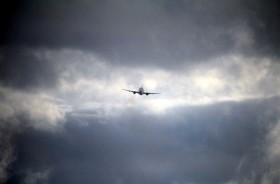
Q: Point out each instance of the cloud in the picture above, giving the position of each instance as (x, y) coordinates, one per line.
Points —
(175, 137)
(7, 154)
(88, 82)
(194, 144)
(35, 177)
(82, 80)
(79, 77)
(40, 110)
(19, 110)
(157, 33)
(63, 111)
(272, 155)
(274, 152)
(24, 68)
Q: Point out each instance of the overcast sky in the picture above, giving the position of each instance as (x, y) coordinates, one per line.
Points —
(64, 117)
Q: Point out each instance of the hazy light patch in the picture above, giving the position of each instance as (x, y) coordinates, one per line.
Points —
(232, 182)
(33, 177)
(41, 109)
(274, 139)
(153, 166)
(242, 36)
(160, 105)
(209, 81)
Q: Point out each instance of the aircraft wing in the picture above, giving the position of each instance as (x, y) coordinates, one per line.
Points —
(147, 93)
(130, 91)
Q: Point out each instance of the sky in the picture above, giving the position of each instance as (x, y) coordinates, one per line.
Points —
(64, 117)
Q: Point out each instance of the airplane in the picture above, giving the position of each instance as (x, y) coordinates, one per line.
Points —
(140, 91)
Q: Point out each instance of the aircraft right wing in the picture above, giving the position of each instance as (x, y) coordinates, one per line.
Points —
(147, 93)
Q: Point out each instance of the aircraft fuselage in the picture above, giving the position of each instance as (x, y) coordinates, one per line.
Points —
(141, 91)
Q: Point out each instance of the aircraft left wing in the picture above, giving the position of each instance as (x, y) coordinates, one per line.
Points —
(130, 91)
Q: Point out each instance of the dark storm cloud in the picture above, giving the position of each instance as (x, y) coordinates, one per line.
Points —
(145, 31)
(212, 144)
(21, 68)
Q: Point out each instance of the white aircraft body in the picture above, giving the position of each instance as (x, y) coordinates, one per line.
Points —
(140, 91)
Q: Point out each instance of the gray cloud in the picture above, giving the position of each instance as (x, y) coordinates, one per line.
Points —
(21, 68)
(158, 33)
(18, 111)
(64, 119)
(7, 154)
(213, 144)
